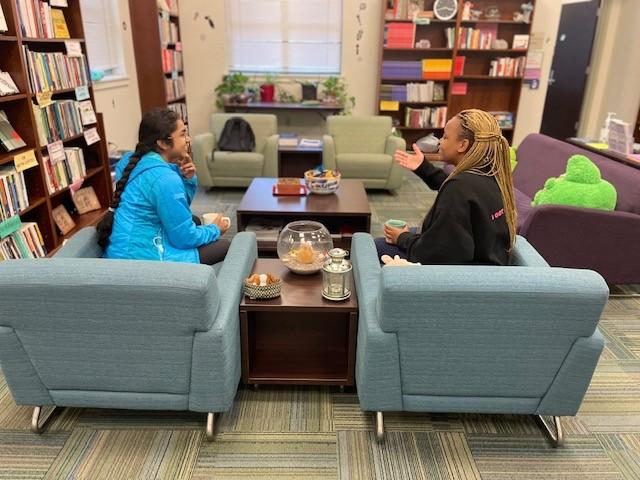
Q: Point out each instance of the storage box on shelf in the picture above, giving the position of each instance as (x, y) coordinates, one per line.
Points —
(39, 64)
(458, 57)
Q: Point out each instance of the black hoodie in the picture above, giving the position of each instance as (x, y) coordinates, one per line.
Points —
(466, 225)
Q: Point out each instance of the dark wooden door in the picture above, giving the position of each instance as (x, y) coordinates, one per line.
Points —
(570, 69)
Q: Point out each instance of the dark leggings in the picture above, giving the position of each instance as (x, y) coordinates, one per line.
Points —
(213, 252)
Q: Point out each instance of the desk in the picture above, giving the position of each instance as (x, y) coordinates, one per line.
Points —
(322, 109)
(634, 161)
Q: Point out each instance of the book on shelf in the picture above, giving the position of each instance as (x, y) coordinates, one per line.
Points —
(70, 169)
(60, 29)
(7, 85)
(86, 112)
(13, 192)
(520, 42)
(62, 219)
(26, 242)
(174, 88)
(479, 38)
(3, 21)
(86, 200)
(458, 65)
(168, 30)
(286, 139)
(504, 119)
(310, 143)
(399, 35)
(181, 109)
(436, 68)
(459, 88)
(57, 121)
(425, 117)
(9, 138)
(55, 70)
(507, 67)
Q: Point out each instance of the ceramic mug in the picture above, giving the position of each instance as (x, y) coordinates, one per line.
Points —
(210, 218)
(395, 224)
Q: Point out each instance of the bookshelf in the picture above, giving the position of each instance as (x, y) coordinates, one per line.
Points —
(20, 111)
(468, 85)
(158, 52)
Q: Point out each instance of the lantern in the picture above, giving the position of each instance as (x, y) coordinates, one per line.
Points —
(336, 275)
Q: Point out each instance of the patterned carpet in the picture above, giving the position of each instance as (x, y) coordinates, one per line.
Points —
(321, 433)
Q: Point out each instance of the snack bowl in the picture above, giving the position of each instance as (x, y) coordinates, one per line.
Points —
(262, 292)
(322, 182)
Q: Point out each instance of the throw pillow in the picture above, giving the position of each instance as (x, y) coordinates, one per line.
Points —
(580, 186)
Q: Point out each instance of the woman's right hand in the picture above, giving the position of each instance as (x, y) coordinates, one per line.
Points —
(223, 223)
(407, 160)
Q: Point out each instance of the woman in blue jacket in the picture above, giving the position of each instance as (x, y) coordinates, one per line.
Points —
(150, 216)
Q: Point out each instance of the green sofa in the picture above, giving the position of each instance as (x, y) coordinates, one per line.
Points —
(362, 148)
(236, 169)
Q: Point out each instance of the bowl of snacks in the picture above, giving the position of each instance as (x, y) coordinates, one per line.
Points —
(322, 182)
(262, 286)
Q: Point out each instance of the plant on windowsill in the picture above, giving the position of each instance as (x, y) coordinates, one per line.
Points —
(232, 89)
(335, 93)
(268, 88)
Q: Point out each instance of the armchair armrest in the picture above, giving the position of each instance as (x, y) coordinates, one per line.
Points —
(211, 390)
(328, 153)
(377, 357)
(524, 255)
(270, 152)
(586, 238)
(396, 174)
(203, 146)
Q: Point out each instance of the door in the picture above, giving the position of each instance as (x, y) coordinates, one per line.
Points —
(569, 69)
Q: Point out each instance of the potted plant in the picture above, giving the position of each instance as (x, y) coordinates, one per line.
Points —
(335, 92)
(268, 88)
(232, 89)
(309, 90)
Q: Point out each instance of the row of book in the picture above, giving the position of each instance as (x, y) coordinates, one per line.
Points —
(425, 117)
(403, 9)
(399, 35)
(507, 67)
(39, 20)
(65, 172)
(55, 70)
(7, 85)
(427, 69)
(477, 38)
(26, 242)
(170, 6)
(174, 88)
(171, 60)
(168, 30)
(9, 138)
(181, 109)
(3, 21)
(414, 92)
(13, 192)
(57, 121)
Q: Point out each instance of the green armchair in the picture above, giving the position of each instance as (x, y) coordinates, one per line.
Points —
(236, 169)
(362, 148)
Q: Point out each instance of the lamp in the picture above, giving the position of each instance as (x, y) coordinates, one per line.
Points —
(336, 276)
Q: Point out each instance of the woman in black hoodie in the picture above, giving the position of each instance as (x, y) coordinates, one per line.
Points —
(473, 219)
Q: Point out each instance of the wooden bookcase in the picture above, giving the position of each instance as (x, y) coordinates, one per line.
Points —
(483, 91)
(20, 113)
(146, 17)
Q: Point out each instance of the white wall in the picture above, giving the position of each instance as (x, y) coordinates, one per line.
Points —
(118, 100)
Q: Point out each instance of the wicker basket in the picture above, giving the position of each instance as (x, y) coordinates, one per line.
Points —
(262, 292)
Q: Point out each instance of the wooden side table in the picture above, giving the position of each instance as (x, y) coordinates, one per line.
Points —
(299, 338)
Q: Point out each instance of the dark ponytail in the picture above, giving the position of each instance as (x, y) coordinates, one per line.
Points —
(157, 124)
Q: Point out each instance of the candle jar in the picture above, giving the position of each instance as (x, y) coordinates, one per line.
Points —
(337, 276)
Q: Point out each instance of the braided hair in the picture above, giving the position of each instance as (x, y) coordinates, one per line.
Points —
(157, 124)
(488, 155)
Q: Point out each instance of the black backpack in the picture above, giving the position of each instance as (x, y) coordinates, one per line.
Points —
(237, 136)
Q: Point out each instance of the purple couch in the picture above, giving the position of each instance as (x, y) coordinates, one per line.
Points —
(606, 242)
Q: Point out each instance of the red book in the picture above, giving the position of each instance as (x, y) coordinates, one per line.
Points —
(458, 65)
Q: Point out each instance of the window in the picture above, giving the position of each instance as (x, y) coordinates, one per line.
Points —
(285, 36)
(101, 21)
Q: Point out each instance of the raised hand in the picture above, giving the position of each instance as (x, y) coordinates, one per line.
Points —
(410, 161)
(187, 167)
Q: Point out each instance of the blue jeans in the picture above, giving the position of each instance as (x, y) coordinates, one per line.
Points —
(385, 248)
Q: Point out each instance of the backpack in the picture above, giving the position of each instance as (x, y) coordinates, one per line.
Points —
(237, 136)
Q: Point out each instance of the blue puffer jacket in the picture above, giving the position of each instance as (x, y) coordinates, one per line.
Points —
(153, 220)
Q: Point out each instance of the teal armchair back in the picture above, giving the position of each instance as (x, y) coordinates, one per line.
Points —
(82, 331)
(236, 169)
(518, 339)
(362, 148)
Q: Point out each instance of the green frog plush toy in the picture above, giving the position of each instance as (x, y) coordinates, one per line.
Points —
(580, 186)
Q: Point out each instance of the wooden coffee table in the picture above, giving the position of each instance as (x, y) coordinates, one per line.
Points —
(300, 337)
(343, 213)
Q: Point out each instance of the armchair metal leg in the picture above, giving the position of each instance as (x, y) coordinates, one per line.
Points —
(379, 427)
(210, 426)
(556, 437)
(36, 425)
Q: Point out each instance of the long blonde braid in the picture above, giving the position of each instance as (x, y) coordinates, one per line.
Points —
(488, 155)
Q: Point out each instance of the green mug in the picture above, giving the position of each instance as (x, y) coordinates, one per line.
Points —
(396, 223)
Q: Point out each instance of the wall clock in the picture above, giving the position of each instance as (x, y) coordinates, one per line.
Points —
(445, 9)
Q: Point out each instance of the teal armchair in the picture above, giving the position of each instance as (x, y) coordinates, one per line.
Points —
(236, 169)
(81, 331)
(362, 148)
(520, 339)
